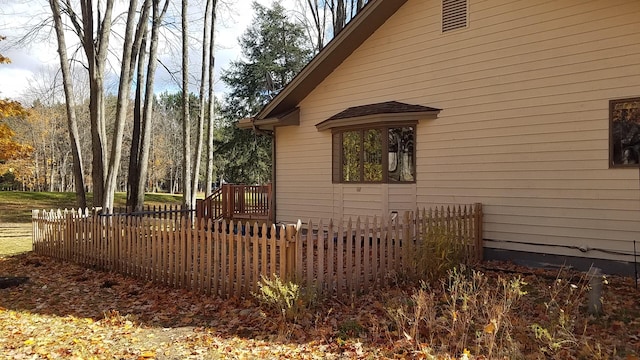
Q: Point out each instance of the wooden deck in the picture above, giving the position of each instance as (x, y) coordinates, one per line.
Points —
(238, 203)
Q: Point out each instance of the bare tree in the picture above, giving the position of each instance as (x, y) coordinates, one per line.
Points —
(202, 113)
(339, 13)
(95, 42)
(141, 139)
(319, 17)
(72, 123)
(124, 88)
(143, 162)
(342, 11)
(211, 112)
(134, 151)
(186, 121)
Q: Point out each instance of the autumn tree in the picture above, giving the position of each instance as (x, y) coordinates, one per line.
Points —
(9, 148)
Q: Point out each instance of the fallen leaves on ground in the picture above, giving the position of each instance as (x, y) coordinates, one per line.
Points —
(66, 311)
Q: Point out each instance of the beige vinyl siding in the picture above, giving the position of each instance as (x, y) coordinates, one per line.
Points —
(524, 125)
(303, 183)
(402, 197)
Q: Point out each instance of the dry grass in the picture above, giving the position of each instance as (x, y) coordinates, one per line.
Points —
(15, 238)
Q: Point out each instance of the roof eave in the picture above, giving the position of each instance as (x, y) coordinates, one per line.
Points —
(288, 118)
(377, 119)
(370, 18)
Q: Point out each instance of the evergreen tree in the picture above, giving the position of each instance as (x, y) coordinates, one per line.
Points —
(274, 50)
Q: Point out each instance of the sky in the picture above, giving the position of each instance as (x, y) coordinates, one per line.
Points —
(39, 56)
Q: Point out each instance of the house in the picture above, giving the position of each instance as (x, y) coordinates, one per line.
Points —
(529, 107)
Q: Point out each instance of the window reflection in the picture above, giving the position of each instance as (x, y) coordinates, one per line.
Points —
(351, 141)
(360, 155)
(401, 152)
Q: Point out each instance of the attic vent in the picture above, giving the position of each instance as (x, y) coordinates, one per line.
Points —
(454, 14)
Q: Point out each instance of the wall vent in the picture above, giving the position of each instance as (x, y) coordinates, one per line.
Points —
(454, 14)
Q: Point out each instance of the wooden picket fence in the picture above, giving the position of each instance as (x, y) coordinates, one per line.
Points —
(356, 256)
(228, 258)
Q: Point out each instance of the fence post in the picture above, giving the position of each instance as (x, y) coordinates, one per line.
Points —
(34, 231)
(291, 245)
(407, 240)
(297, 250)
(478, 218)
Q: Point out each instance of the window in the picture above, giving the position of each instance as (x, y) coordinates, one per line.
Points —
(374, 155)
(624, 132)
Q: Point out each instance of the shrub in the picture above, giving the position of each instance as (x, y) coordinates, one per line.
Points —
(283, 297)
(471, 313)
(560, 330)
(437, 252)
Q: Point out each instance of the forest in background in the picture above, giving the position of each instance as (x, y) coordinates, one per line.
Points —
(76, 133)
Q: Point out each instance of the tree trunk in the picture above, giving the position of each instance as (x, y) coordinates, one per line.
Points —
(145, 141)
(339, 16)
(138, 55)
(186, 121)
(96, 53)
(124, 87)
(318, 22)
(72, 123)
(211, 115)
(203, 87)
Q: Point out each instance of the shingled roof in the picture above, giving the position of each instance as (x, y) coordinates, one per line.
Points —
(389, 107)
(388, 112)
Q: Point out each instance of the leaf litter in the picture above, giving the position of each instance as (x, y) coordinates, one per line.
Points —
(65, 311)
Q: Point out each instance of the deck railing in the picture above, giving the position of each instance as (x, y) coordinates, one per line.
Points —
(237, 202)
(228, 258)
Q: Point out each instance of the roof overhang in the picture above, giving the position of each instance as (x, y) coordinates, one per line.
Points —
(386, 113)
(291, 117)
(360, 28)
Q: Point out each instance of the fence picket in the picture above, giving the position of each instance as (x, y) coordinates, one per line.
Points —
(340, 255)
(256, 258)
(320, 258)
(309, 245)
(375, 243)
(272, 252)
(330, 282)
(359, 238)
(224, 261)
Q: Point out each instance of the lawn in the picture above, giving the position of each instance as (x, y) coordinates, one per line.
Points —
(16, 206)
